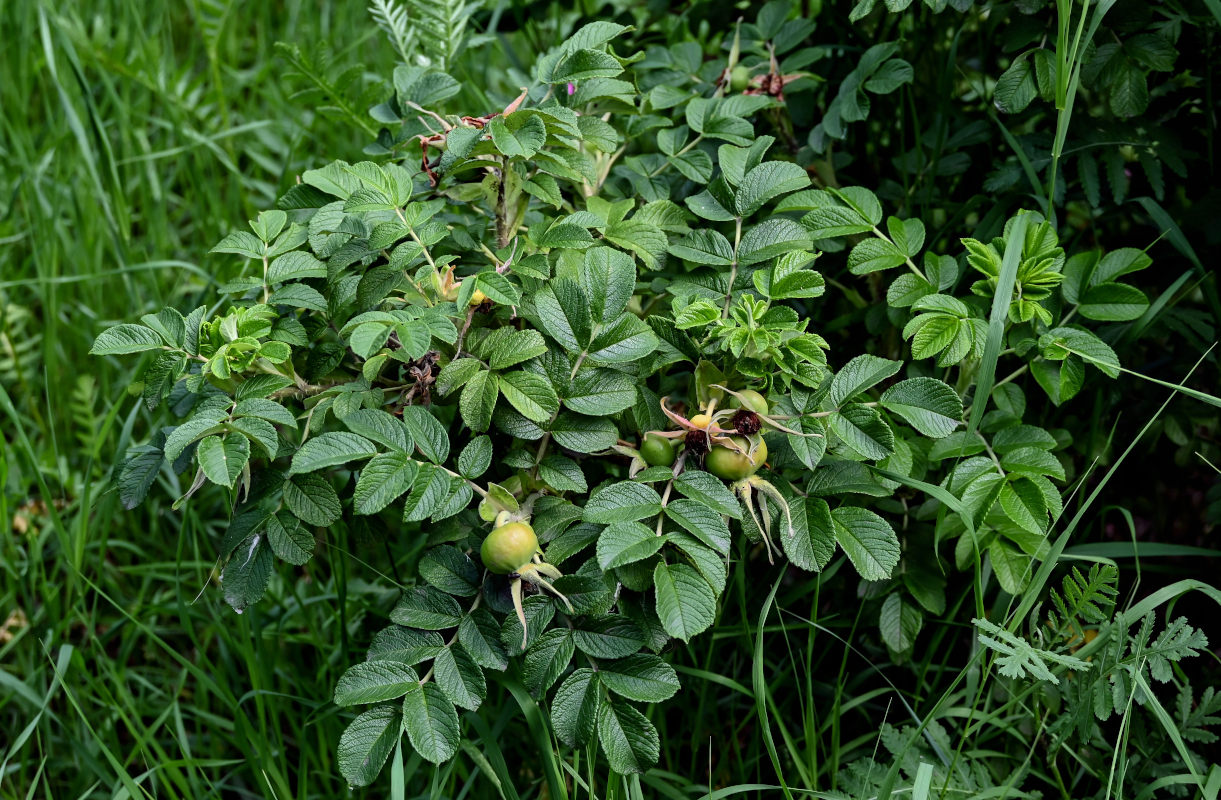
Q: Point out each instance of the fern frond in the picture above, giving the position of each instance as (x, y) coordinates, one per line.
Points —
(442, 27)
(1085, 599)
(392, 19)
(324, 84)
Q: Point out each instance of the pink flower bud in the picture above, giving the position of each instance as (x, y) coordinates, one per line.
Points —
(572, 88)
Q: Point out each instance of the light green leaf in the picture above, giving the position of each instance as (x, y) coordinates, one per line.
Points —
(122, 339)
(460, 678)
(868, 540)
(625, 543)
(625, 501)
(530, 393)
(478, 400)
(382, 481)
(519, 135)
(373, 682)
(929, 405)
(858, 375)
(574, 708)
(367, 742)
(331, 449)
(644, 677)
(313, 499)
(222, 459)
(431, 723)
(685, 602)
(767, 182)
(628, 738)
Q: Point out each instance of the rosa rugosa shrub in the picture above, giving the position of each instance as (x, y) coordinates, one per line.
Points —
(476, 331)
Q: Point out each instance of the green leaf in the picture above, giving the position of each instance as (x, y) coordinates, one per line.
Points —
(367, 742)
(790, 279)
(644, 677)
(373, 682)
(245, 576)
(547, 659)
(261, 408)
(811, 542)
(767, 182)
(298, 295)
(628, 338)
(450, 570)
(519, 135)
(382, 481)
(583, 64)
(703, 246)
(708, 490)
(313, 499)
(608, 636)
(608, 278)
(705, 523)
(929, 405)
(515, 347)
(222, 459)
(574, 708)
(1033, 461)
(530, 393)
(431, 723)
(426, 608)
(685, 602)
(873, 255)
(460, 678)
(289, 541)
(330, 449)
(563, 313)
(858, 375)
(404, 645)
(295, 266)
(771, 238)
(1113, 302)
(562, 474)
(379, 426)
(427, 433)
(1057, 343)
(628, 738)
(476, 457)
(478, 400)
(899, 623)
(863, 430)
(584, 434)
(122, 339)
(625, 501)
(480, 637)
(1012, 566)
(625, 543)
(868, 540)
(601, 392)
